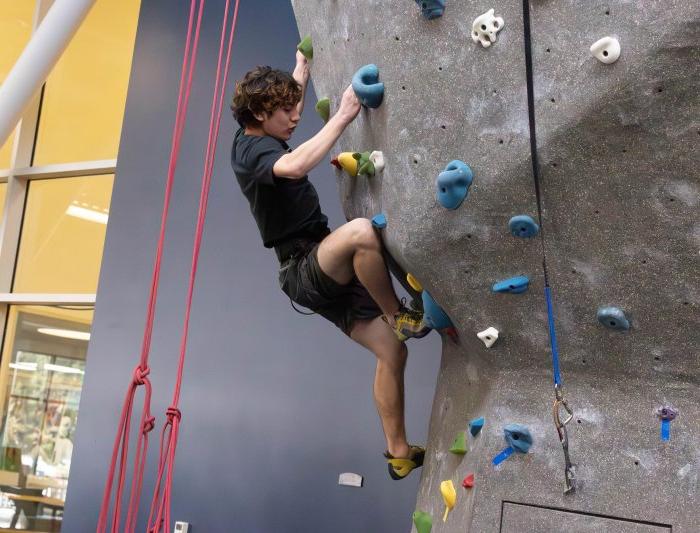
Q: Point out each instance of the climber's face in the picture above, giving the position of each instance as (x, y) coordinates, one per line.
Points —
(281, 123)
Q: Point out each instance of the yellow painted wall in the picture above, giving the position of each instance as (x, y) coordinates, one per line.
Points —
(81, 117)
(16, 18)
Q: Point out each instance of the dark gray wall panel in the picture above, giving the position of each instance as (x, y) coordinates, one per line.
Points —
(275, 405)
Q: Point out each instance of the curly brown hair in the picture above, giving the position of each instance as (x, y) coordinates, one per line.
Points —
(263, 90)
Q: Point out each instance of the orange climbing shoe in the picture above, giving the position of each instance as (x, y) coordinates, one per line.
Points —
(408, 323)
(399, 468)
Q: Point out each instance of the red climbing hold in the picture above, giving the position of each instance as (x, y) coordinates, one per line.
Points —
(336, 163)
(468, 482)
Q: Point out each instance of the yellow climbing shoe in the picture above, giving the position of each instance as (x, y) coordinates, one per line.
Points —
(408, 323)
(399, 468)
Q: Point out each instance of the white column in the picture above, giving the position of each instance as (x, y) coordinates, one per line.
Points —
(38, 58)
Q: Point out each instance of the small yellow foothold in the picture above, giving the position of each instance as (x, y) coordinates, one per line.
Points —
(449, 494)
(413, 282)
(348, 162)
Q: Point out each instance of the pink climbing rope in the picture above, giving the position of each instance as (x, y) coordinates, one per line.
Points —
(140, 374)
(159, 514)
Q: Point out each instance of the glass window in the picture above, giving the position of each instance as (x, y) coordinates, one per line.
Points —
(83, 107)
(41, 379)
(16, 19)
(63, 235)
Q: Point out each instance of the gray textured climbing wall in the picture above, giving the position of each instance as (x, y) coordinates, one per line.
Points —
(618, 159)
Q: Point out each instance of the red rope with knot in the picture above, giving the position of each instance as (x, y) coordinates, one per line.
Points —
(140, 376)
(159, 515)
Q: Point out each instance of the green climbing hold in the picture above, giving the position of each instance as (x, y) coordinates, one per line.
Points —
(459, 446)
(306, 47)
(323, 108)
(364, 164)
(423, 521)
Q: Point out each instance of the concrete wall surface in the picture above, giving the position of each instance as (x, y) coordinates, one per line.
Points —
(617, 161)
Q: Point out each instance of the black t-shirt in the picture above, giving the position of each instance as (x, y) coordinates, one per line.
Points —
(283, 208)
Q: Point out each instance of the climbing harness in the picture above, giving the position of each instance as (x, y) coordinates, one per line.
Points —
(560, 404)
(159, 514)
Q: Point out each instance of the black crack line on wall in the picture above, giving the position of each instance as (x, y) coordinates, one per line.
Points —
(533, 136)
(582, 513)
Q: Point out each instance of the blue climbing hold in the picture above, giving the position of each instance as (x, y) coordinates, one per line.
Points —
(431, 9)
(518, 437)
(367, 87)
(515, 285)
(453, 184)
(476, 425)
(613, 318)
(523, 226)
(433, 315)
(379, 221)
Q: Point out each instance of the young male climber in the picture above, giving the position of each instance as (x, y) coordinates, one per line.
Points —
(340, 275)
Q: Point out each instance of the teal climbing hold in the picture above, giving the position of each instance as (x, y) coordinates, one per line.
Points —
(523, 226)
(613, 318)
(453, 184)
(433, 315)
(379, 221)
(514, 285)
(431, 9)
(476, 425)
(367, 87)
(518, 437)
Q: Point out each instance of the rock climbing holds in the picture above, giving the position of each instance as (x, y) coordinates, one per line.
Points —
(666, 414)
(449, 494)
(377, 159)
(459, 446)
(323, 108)
(489, 336)
(413, 282)
(431, 9)
(476, 425)
(468, 481)
(518, 439)
(379, 221)
(367, 87)
(306, 47)
(433, 315)
(453, 184)
(423, 521)
(347, 162)
(485, 27)
(351, 480)
(613, 318)
(523, 226)
(515, 285)
(365, 162)
(606, 50)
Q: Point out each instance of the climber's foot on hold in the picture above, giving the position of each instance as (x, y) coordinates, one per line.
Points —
(400, 467)
(407, 323)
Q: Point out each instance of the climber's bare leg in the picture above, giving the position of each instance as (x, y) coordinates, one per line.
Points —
(356, 249)
(388, 379)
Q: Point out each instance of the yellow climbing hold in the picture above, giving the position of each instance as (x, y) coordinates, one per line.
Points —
(449, 494)
(413, 282)
(348, 162)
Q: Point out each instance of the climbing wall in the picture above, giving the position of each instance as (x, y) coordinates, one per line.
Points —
(617, 162)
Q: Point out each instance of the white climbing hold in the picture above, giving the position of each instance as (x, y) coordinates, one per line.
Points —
(488, 336)
(485, 27)
(350, 479)
(377, 159)
(606, 50)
